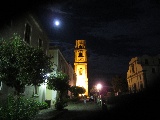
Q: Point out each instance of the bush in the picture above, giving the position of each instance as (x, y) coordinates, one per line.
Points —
(75, 99)
(19, 108)
(42, 105)
(60, 105)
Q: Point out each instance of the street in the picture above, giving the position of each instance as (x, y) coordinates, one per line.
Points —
(82, 111)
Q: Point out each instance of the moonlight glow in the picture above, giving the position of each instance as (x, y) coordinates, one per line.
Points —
(56, 22)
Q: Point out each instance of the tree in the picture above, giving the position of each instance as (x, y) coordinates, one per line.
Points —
(60, 83)
(81, 90)
(119, 84)
(22, 64)
(76, 90)
(93, 90)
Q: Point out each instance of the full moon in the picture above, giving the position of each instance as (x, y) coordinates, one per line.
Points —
(57, 23)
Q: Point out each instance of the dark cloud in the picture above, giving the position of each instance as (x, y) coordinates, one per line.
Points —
(115, 31)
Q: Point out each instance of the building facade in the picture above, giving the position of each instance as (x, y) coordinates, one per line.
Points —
(143, 72)
(59, 64)
(80, 64)
(31, 32)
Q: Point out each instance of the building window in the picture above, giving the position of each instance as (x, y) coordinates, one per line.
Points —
(130, 90)
(64, 69)
(80, 53)
(134, 87)
(146, 61)
(133, 68)
(159, 61)
(40, 43)
(141, 86)
(0, 85)
(80, 71)
(61, 64)
(27, 33)
(80, 46)
(153, 70)
(140, 77)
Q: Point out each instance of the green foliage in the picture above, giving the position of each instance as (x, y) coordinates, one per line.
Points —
(42, 105)
(59, 105)
(22, 64)
(76, 90)
(93, 91)
(75, 99)
(59, 82)
(19, 108)
(119, 84)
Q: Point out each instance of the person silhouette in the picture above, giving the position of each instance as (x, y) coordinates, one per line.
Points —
(84, 98)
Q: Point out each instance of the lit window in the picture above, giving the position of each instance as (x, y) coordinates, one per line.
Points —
(80, 46)
(80, 71)
(80, 53)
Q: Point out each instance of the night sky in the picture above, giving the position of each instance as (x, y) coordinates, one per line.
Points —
(114, 30)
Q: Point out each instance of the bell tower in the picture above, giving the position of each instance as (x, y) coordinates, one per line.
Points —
(80, 64)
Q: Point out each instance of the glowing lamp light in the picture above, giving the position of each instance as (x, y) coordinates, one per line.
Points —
(45, 81)
(99, 86)
(48, 74)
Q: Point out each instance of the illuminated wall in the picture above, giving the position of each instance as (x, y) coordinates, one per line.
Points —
(143, 72)
(80, 64)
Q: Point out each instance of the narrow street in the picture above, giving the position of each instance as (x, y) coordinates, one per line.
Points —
(82, 111)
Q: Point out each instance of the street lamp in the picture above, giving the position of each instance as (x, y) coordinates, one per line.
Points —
(46, 77)
(99, 87)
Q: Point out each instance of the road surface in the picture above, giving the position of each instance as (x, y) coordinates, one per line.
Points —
(82, 111)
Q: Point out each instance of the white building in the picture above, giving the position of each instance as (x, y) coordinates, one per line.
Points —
(59, 64)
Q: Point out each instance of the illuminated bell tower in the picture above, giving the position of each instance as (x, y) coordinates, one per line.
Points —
(80, 64)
